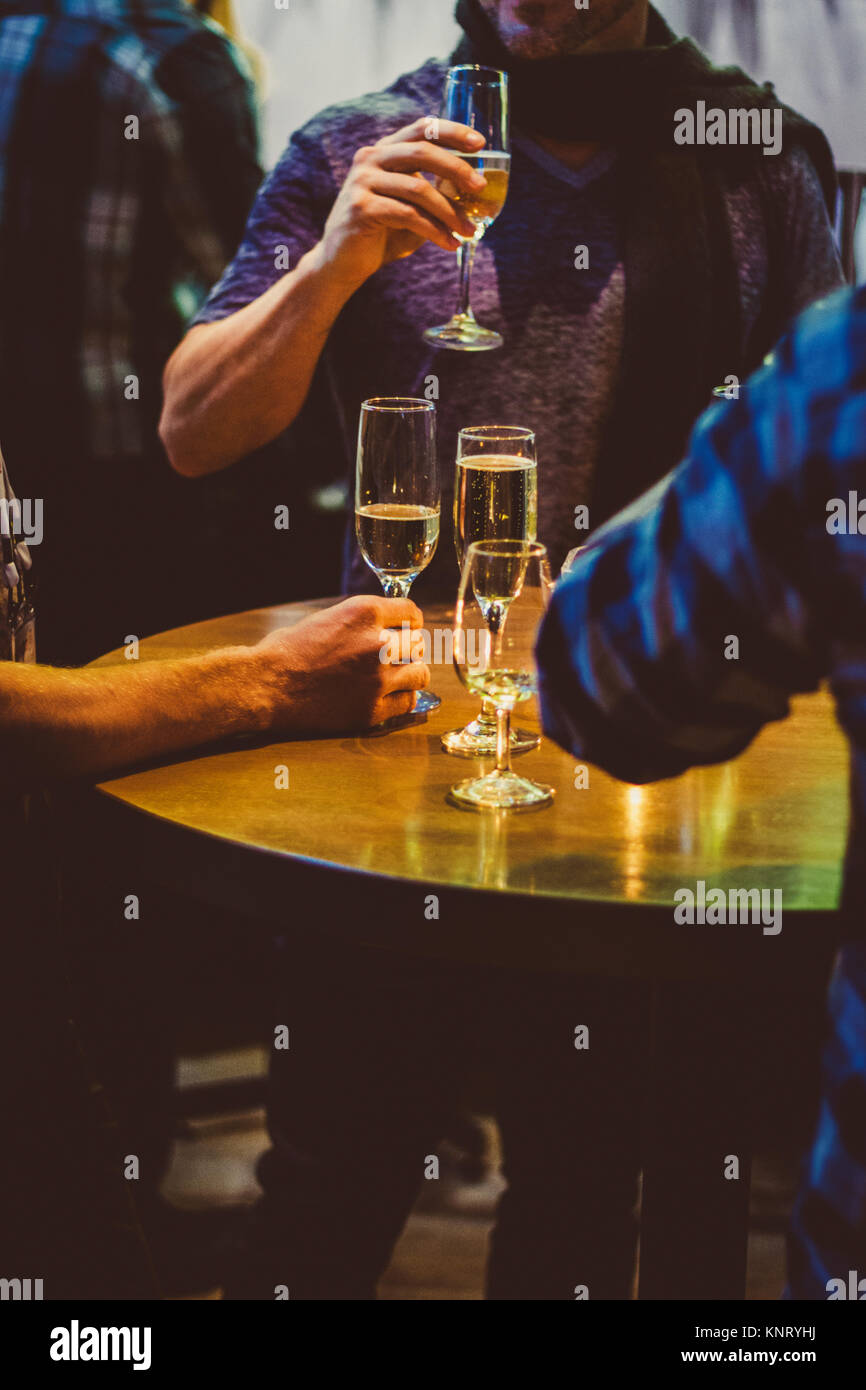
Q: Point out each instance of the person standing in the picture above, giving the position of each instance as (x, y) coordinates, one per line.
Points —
(745, 538)
(67, 1217)
(698, 256)
(128, 164)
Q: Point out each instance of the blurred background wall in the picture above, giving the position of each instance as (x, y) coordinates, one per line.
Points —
(321, 51)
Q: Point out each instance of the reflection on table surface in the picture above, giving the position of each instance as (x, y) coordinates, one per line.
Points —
(775, 818)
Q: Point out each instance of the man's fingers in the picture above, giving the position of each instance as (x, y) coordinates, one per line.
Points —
(390, 707)
(409, 675)
(411, 189)
(400, 682)
(429, 159)
(393, 612)
(435, 130)
(405, 217)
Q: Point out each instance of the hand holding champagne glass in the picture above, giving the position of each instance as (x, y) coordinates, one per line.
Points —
(397, 495)
(495, 498)
(477, 97)
(389, 204)
(504, 591)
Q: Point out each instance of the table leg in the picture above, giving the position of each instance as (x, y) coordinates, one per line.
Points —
(694, 1211)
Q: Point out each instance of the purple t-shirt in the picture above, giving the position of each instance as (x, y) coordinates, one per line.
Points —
(562, 325)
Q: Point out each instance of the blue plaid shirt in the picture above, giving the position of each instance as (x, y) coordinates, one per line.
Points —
(742, 539)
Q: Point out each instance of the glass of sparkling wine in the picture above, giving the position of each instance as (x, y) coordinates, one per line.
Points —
(504, 591)
(397, 495)
(477, 97)
(495, 498)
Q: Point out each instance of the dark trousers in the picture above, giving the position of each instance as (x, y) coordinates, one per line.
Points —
(379, 1052)
(67, 1215)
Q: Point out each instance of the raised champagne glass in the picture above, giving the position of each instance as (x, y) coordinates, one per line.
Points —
(397, 495)
(477, 97)
(504, 591)
(495, 498)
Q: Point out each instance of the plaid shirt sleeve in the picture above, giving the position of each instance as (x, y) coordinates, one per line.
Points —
(210, 129)
(690, 619)
(186, 195)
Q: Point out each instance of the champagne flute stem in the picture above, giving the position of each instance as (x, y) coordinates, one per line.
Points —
(503, 740)
(488, 712)
(396, 588)
(465, 259)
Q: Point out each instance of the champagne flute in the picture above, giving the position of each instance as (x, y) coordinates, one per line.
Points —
(477, 97)
(504, 591)
(495, 498)
(397, 496)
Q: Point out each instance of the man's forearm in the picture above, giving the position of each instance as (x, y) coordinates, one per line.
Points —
(60, 723)
(232, 386)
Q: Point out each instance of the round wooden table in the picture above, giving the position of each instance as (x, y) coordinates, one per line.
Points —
(585, 884)
(363, 845)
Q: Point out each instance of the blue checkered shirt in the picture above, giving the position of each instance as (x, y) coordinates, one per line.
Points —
(752, 536)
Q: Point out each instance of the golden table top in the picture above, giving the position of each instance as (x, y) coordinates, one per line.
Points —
(375, 806)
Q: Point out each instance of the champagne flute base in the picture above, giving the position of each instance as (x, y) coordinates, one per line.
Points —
(501, 791)
(463, 334)
(478, 740)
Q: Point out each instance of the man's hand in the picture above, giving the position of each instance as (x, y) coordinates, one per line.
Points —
(232, 386)
(326, 675)
(386, 208)
(322, 676)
